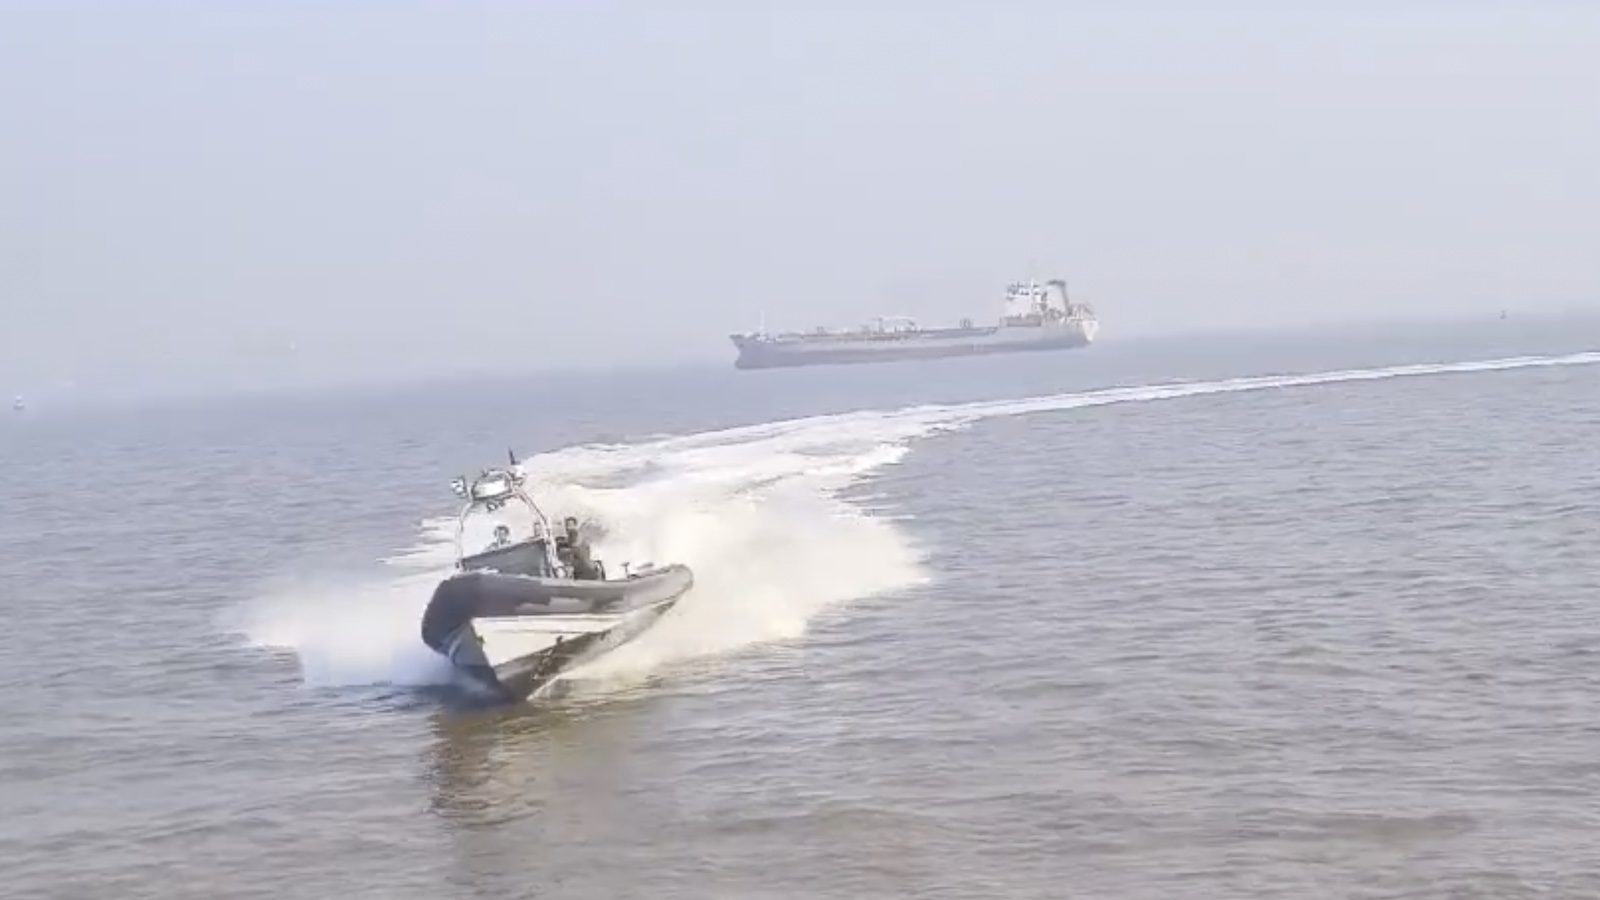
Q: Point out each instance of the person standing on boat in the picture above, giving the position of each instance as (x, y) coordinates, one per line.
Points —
(574, 551)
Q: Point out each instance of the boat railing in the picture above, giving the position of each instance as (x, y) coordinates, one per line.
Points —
(491, 492)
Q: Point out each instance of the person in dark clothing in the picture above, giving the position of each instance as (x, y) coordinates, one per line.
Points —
(574, 551)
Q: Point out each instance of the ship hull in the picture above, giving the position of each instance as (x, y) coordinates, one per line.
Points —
(758, 354)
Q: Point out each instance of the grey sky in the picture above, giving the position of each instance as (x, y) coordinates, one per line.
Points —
(187, 190)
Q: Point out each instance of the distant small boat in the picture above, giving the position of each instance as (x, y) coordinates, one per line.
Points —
(17, 405)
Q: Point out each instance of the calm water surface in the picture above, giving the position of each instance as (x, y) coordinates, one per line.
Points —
(1019, 627)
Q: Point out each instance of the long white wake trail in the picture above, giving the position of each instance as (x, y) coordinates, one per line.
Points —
(757, 511)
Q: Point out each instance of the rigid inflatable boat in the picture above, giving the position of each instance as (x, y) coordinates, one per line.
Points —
(528, 602)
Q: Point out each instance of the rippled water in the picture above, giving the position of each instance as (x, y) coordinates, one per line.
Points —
(1318, 619)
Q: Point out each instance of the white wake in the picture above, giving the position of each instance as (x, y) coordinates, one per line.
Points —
(758, 512)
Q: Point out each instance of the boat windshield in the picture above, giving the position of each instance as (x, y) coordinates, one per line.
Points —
(483, 530)
(527, 558)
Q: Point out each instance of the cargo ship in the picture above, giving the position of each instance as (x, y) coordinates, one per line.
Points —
(1035, 317)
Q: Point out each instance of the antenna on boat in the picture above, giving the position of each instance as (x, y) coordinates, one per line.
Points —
(511, 455)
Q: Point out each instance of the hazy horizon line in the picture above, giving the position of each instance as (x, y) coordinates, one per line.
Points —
(170, 395)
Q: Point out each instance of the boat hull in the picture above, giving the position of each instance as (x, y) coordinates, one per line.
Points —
(514, 634)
